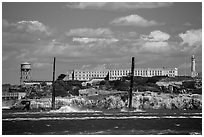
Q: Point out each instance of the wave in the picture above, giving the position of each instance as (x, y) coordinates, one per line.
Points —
(140, 132)
(67, 109)
(101, 117)
(127, 110)
(72, 110)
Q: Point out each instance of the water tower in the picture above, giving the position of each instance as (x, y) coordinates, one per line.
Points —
(25, 72)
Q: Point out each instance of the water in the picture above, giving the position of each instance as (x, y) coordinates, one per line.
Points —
(82, 122)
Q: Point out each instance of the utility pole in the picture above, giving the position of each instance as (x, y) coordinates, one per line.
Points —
(53, 87)
(131, 82)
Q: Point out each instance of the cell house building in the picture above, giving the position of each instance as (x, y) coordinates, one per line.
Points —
(114, 74)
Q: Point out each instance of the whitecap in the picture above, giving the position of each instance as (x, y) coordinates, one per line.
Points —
(68, 109)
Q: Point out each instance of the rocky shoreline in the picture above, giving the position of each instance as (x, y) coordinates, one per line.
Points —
(141, 100)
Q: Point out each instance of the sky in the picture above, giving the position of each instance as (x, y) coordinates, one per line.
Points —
(94, 35)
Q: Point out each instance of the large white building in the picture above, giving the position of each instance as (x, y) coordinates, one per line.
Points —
(114, 74)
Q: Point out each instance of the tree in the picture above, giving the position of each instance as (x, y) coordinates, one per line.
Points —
(60, 89)
(121, 85)
(74, 91)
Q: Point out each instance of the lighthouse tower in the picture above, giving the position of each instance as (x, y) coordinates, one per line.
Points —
(25, 72)
(193, 69)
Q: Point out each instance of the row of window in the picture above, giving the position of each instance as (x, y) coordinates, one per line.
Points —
(118, 73)
(85, 72)
(123, 72)
(93, 75)
(136, 74)
(171, 71)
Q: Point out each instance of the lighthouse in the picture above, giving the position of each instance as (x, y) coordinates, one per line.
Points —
(193, 67)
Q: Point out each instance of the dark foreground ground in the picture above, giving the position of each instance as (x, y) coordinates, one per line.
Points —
(107, 122)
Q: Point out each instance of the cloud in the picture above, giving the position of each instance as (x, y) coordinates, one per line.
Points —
(155, 47)
(156, 35)
(33, 26)
(89, 32)
(26, 26)
(84, 5)
(192, 37)
(23, 54)
(51, 48)
(135, 20)
(187, 24)
(24, 32)
(117, 5)
(40, 65)
(191, 41)
(99, 35)
(155, 42)
(91, 40)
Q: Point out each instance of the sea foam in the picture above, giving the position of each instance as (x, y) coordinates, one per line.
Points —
(67, 109)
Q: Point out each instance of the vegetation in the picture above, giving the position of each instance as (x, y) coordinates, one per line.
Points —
(140, 84)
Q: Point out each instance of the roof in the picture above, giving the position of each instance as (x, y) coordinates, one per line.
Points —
(25, 63)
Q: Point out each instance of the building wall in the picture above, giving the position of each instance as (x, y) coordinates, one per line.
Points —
(114, 74)
(30, 83)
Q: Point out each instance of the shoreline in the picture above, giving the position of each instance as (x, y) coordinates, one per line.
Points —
(141, 101)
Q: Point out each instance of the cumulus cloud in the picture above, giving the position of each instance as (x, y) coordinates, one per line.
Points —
(33, 26)
(191, 41)
(99, 35)
(155, 47)
(84, 5)
(56, 48)
(156, 35)
(24, 32)
(51, 48)
(191, 37)
(89, 32)
(117, 5)
(90, 40)
(135, 20)
(156, 42)
(26, 26)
